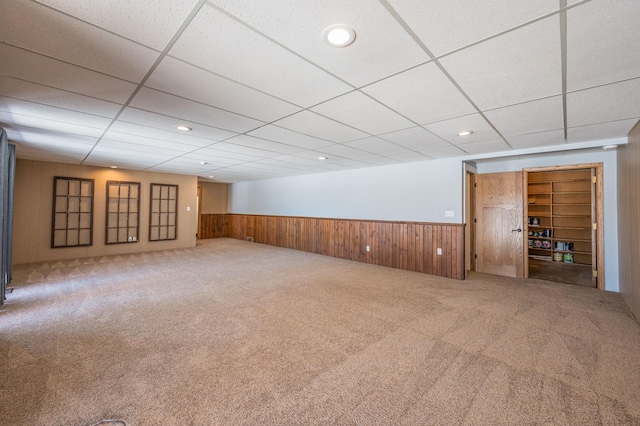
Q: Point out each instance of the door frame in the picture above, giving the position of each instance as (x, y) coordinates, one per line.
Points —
(599, 206)
(469, 211)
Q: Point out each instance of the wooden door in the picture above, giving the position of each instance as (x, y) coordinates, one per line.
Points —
(499, 229)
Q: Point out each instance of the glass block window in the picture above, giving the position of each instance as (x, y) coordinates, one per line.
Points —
(72, 212)
(123, 207)
(163, 214)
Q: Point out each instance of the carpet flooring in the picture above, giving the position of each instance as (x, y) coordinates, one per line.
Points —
(237, 333)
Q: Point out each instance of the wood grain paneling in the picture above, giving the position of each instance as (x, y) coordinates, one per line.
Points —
(402, 245)
(213, 226)
(628, 224)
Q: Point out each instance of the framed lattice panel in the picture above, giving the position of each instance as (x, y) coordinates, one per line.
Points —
(123, 212)
(72, 221)
(163, 212)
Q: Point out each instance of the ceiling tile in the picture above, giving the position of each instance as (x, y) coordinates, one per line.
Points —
(212, 154)
(279, 134)
(608, 130)
(106, 160)
(603, 41)
(292, 165)
(485, 147)
(345, 152)
(378, 146)
(52, 114)
(187, 81)
(120, 150)
(12, 120)
(263, 144)
(162, 18)
(444, 152)
(254, 60)
(60, 36)
(138, 143)
(246, 150)
(423, 94)
(123, 131)
(45, 95)
(360, 111)
(530, 117)
(166, 124)
(516, 67)
(310, 158)
(173, 106)
(409, 156)
(39, 137)
(299, 25)
(449, 129)
(605, 103)
(415, 138)
(311, 124)
(535, 140)
(25, 65)
(446, 25)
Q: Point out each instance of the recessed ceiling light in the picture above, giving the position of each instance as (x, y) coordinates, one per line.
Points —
(184, 128)
(465, 133)
(338, 35)
(204, 163)
(609, 147)
(322, 158)
(210, 177)
(114, 167)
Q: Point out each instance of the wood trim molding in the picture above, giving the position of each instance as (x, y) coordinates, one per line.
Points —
(403, 245)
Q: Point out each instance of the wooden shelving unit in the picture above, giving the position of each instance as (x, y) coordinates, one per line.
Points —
(561, 215)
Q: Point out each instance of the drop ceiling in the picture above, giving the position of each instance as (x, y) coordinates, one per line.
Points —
(105, 83)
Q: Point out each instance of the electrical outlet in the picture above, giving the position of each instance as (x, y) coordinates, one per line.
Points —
(449, 213)
(439, 251)
(368, 248)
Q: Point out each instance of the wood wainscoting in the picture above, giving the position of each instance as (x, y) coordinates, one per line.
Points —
(213, 226)
(402, 245)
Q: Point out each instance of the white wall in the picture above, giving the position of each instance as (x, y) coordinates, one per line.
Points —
(609, 160)
(420, 192)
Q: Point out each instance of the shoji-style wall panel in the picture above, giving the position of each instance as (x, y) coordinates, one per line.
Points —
(403, 245)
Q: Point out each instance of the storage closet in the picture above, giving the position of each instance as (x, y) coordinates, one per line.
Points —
(561, 223)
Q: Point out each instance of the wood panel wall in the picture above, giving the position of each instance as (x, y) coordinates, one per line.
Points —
(628, 225)
(403, 245)
(213, 226)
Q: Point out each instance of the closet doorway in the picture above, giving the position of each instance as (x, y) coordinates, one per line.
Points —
(563, 219)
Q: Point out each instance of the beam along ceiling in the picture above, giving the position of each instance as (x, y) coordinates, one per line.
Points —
(105, 83)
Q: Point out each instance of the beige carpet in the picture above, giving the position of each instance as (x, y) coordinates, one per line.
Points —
(237, 333)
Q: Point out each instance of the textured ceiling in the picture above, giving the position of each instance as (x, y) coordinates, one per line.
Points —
(105, 82)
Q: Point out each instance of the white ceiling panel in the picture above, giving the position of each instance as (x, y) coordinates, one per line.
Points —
(423, 94)
(609, 130)
(516, 67)
(535, 140)
(445, 152)
(25, 65)
(167, 124)
(45, 95)
(360, 111)
(377, 146)
(263, 92)
(289, 137)
(251, 59)
(449, 129)
(162, 18)
(12, 120)
(311, 124)
(138, 144)
(60, 36)
(530, 117)
(485, 147)
(263, 144)
(415, 138)
(63, 116)
(173, 106)
(187, 81)
(446, 25)
(129, 132)
(605, 103)
(299, 25)
(603, 41)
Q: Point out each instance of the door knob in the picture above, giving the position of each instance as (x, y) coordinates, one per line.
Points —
(517, 230)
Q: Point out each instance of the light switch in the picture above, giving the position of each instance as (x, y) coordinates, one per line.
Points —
(439, 251)
(188, 209)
